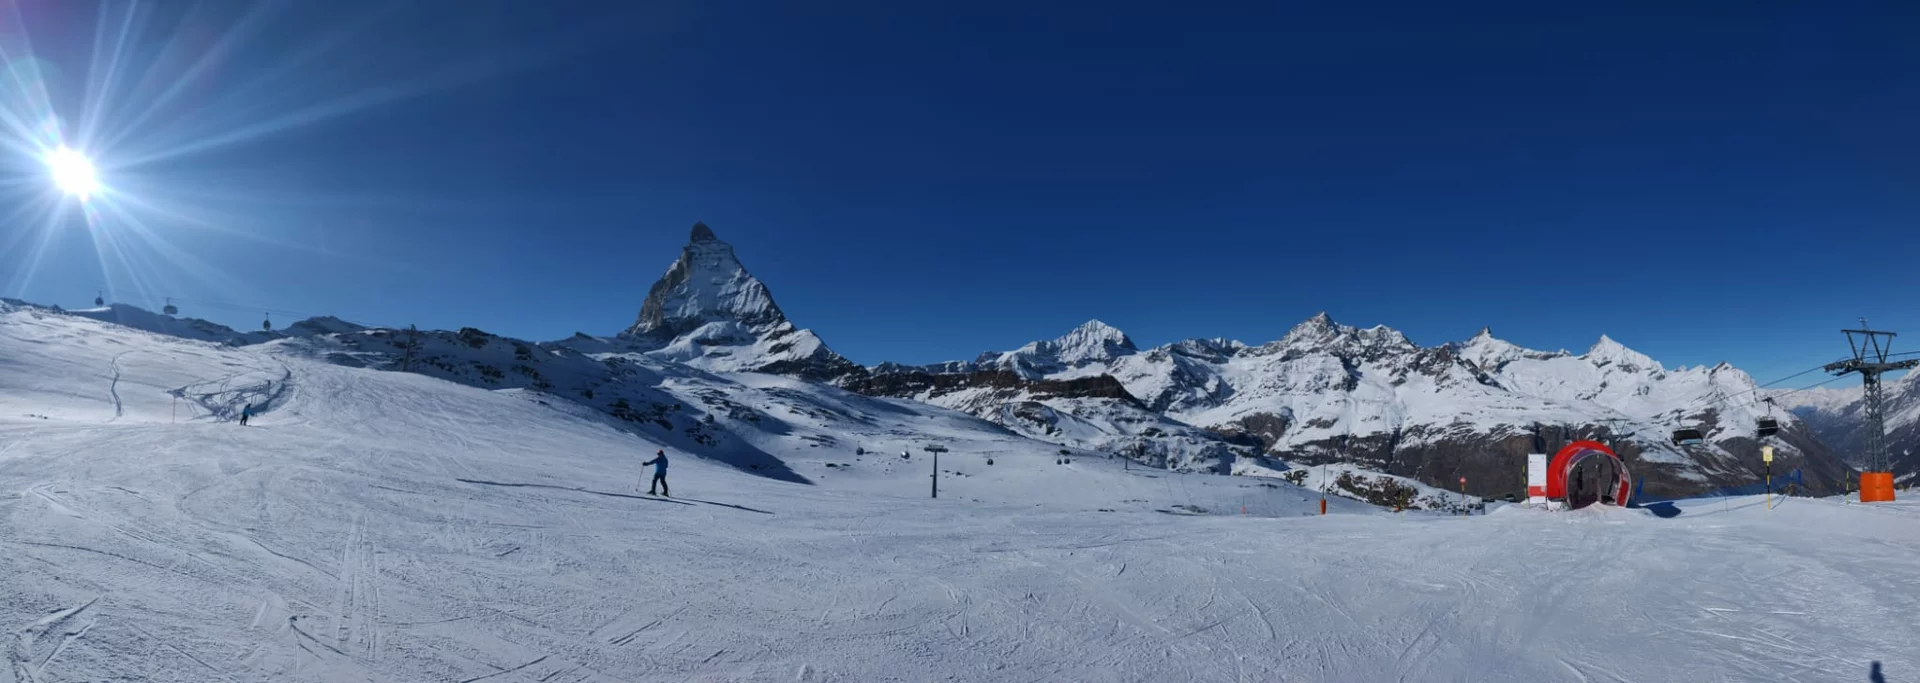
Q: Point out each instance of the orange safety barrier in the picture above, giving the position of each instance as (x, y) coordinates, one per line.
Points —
(1876, 487)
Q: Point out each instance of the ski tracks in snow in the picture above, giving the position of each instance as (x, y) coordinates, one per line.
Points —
(29, 655)
(113, 387)
(356, 605)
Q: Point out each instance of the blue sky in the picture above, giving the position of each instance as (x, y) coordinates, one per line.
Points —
(925, 181)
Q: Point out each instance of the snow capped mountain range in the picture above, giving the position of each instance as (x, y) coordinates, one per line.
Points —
(1838, 417)
(1433, 413)
(1325, 392)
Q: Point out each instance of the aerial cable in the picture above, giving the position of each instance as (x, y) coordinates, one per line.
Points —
(1815, 386)
(1705, 399)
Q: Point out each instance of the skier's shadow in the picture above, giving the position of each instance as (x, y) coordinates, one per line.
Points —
(728, 505)
(577, 489)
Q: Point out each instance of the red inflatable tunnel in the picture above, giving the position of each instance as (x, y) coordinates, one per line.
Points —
(1564, 462)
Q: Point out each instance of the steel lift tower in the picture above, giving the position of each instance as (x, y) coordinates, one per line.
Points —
(1870, 350)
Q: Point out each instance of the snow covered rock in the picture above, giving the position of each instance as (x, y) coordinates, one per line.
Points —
(1091, 342)
(707, 311)
(1092, 412)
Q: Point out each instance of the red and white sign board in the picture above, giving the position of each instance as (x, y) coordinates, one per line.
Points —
(1536, 478)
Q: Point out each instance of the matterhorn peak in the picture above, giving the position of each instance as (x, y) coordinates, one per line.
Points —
(707, 310)
(706, 284)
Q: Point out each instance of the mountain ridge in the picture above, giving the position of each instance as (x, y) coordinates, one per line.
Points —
(1328, 391)
(1322, 392)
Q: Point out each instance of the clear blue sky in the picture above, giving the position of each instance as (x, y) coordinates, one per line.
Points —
(925, 181)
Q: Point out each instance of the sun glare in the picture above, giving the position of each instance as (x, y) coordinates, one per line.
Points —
(72, 172)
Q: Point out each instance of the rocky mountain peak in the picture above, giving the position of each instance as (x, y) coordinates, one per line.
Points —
(708, 311)
(1321, 333)
(1608, 352)
(1313, 331)
(706, 284)
(1093, 340)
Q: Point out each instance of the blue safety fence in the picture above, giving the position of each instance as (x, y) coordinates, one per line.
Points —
(1781, 483)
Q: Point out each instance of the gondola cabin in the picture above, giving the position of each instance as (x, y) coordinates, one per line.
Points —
(1767, 426)
(1688, 437)
(170, 309)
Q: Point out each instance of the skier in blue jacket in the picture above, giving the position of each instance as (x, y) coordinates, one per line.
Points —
(659, 463)
(245, 413)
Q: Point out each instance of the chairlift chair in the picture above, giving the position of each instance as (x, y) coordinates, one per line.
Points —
(1688, 436)
(1767, 426)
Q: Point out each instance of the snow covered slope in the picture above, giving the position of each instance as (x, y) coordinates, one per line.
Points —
(189, 328)
(387, 526)
(1371, 397)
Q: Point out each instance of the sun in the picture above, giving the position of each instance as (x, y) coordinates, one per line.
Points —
(72, 172)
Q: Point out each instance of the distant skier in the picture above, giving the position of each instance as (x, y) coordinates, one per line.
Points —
(659, 463)
(245, 413)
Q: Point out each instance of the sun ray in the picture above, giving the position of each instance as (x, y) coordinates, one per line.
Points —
(29, 110)
(179, 83)
(138, 166)
(181, 262)
(100, 91)
(37, 214)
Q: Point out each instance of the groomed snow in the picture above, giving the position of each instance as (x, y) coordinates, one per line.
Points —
(393, 527)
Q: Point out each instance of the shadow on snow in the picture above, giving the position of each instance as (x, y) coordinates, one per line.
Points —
(576, 489)
(635, 496)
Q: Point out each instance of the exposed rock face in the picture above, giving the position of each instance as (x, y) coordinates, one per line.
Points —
(706, 284)
(709, 312)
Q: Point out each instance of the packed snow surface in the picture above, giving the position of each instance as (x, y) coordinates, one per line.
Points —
(377, 526)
